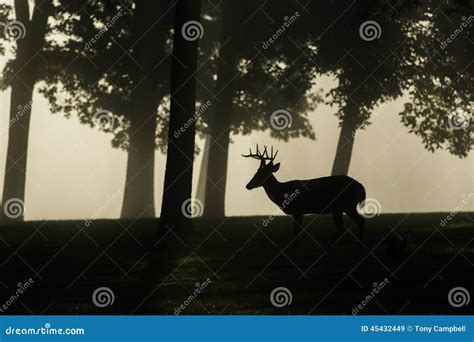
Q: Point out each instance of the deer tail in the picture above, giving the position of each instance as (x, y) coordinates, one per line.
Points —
(362, 197)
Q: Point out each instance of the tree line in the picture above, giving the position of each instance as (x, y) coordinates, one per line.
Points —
(143, 70)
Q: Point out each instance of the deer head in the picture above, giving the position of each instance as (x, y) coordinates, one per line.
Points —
(265, 170)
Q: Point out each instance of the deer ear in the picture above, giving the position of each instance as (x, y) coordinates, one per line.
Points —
(276, 167)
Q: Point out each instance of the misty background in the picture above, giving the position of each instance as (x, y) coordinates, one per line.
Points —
(73, 169)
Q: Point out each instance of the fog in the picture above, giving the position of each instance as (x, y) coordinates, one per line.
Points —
(73, 169)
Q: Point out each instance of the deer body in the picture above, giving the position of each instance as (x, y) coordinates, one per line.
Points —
(315, 196)
(327, 195)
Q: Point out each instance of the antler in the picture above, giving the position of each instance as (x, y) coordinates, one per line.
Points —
(261, 156)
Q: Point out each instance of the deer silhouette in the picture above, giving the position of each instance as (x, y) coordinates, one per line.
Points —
(327, 195)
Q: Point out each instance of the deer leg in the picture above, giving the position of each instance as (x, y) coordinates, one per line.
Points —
(357, 218)
(297, 225)
(337, 217)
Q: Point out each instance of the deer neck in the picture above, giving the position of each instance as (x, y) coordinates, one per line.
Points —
(272, 188)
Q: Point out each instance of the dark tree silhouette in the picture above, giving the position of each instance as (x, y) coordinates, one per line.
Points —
(128, 66)
(252, 83)
(180, 152)
(5, 11)
(441, 95)
(21, 75)
(151, 36)
(385, 61)
(221, 121)
(366, 68)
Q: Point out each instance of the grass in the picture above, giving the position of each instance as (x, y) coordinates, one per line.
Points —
(244, 262)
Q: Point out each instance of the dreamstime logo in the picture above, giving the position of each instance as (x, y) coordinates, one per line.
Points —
(197, 291)
(15, 30)
(192, 30)
(457, 121)
(104, 119)
(21, 111)
(280, 297)
(465, 23)
(192, 120)
(108, 202)
(377, 287)
(458, 296)
(369, 208)
(287, 199)
(192, 207)
(288, 21)
(14, 208)
(109, 23)
(22, 287)
(102, 297)
(370, 30)
(281, 119)
(465, 201)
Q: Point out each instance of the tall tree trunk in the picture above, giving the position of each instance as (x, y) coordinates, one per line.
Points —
(202, 181)
(138, 199)
(345, 145)
(180, 154)
(221, 121)
(148, 51)
(17, 150)
(26, 67)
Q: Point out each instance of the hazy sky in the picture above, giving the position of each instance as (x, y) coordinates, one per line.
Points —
(72, 169)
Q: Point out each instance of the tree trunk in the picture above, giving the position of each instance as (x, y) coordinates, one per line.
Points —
(138, 199)
(148, 51)
(26, 67)
(220, 126)
(17, 151)
(180, 155)
(345, 145)
(202, 182)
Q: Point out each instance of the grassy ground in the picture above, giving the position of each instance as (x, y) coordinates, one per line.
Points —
(244, 262)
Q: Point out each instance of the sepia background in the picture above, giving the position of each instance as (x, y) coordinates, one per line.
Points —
(392, 164)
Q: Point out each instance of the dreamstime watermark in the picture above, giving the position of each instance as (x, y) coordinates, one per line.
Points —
(465, 23)
(104, 119)
(22, 287)
(109, 23)
(458, 296)
(108, 202)
(14, 208)
(369, 208)
(458, 208)
(192, 207)
(377, 287)
(288, 198)
(21, 111)
(200, 287)
(459, 120)
(192, 30)
(15, 30)
(288, 21)
(46, 330)
(193, 119)
(103, 296)
(280, 297)
(281, 119)
(370, 30)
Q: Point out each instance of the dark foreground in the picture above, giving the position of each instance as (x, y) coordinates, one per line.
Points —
(236, 264)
